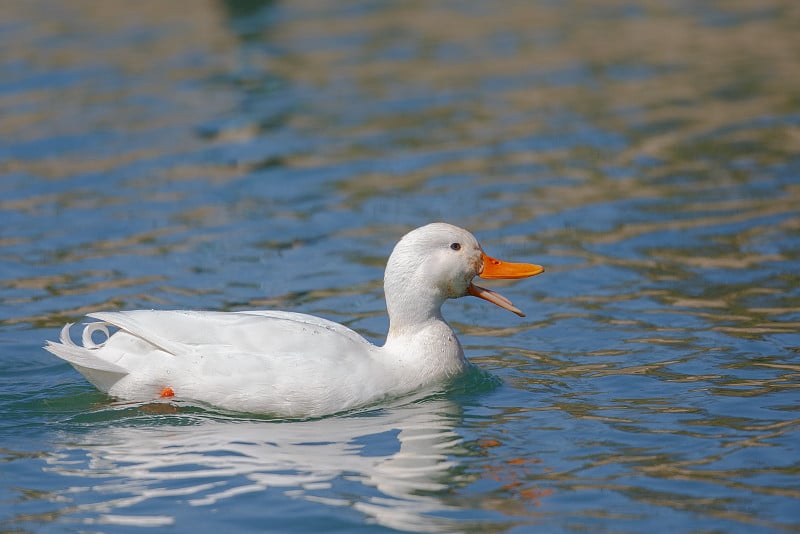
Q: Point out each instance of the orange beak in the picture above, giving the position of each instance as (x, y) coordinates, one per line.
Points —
(493, 268)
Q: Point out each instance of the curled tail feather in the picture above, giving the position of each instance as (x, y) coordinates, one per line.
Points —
(102, 373)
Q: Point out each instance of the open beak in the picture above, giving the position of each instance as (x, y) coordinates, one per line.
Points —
(494, 268)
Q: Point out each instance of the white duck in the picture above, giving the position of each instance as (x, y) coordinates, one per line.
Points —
(292, 364)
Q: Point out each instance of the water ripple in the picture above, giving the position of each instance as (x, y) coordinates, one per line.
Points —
(268, 155)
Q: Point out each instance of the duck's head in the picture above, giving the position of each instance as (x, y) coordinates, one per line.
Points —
(439, 261)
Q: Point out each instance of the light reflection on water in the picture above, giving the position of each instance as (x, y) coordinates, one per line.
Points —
(268, 155)
(391, 464)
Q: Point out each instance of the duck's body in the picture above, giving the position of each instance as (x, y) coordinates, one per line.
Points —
(288, 364)
(292, 364)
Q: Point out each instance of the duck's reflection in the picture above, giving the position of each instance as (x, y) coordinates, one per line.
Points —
(400, 456)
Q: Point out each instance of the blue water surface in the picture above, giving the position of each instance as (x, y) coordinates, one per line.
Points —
(239, 155)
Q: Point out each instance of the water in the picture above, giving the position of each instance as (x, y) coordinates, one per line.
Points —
(239, 155)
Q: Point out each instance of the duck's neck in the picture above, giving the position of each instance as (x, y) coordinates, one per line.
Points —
(420, 345)
(408, 311)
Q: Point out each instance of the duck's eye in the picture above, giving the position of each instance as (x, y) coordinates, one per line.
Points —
(455, 246)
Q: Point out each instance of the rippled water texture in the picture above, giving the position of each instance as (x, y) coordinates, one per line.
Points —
(239, 155)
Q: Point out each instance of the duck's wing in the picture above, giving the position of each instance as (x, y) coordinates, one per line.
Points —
(257, 332)
(150, 341)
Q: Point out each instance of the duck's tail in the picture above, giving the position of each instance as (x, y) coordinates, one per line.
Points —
(87, 358)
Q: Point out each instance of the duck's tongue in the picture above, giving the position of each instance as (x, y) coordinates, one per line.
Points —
(494, 268)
